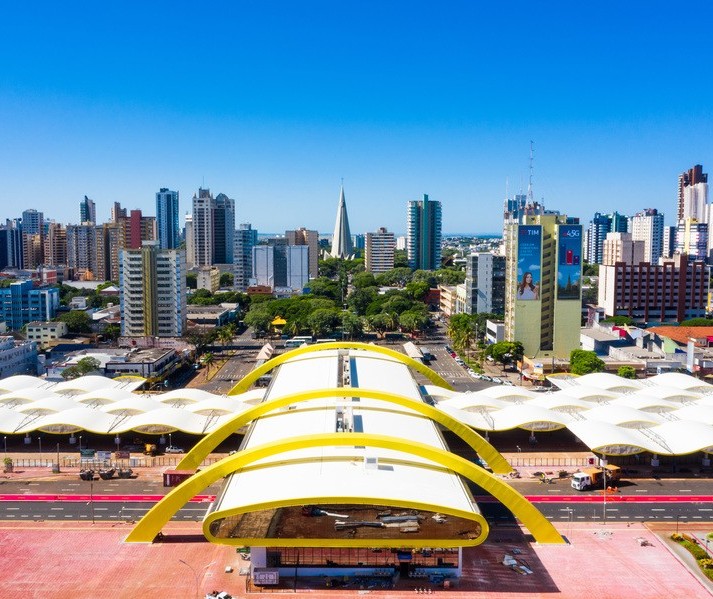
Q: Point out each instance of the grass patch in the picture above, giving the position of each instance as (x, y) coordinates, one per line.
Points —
(692, 546)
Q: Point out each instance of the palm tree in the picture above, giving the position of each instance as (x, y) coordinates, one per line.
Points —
(225, 334)
(208, 359)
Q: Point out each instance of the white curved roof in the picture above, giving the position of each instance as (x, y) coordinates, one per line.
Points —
(678, 380)
(608, 381)
(623, 416)
(21, 381)
(587, 393)
(670, 393)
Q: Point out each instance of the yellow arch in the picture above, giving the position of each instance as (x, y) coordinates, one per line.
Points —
(154, 520)
(244, 384)
(485, 450)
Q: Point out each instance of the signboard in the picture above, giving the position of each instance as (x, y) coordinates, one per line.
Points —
(266, 576)
(529, 262)
(87, 453)
(104, 455)
(569, 262)
(122, 455)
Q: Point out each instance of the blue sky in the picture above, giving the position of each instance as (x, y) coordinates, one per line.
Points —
(273, 103)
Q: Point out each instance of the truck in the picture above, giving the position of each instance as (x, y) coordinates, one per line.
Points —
(590, 478)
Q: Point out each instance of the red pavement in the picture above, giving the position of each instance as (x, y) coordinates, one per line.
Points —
(61, 560)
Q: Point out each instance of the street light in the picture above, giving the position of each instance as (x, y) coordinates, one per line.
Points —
(169, 440)
(39, 440)
(677, 518)
(5, 440)
(195, 574)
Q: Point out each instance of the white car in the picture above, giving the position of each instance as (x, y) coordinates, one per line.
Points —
(173, 449)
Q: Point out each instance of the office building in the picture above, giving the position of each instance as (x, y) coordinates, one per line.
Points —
(621, 247)
(167, 219)
(152, 296)
(11, 244)
(485, 283)
(245, 240)
(543, 284)
(423, 224)
(647, 226)
(87, 211)
(693, 194)
(21, 303)
(33, 222)
(213, 229)
(188, 238)
(32, 250)
(208, 277)
(82, 251)
(309, 238)
(55, 245)
(281, 265)
(342, 237)
(672, 291)
(109, 242)
(379, 251)
(692, 239)
(599, 227)
(359, 241)
(137, 228)
(17, 357)
(669, 241)
(117, 212)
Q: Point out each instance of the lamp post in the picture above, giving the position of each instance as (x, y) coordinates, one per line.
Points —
(678, 516)
(91, 497)
(80, 444)
(39, 440)
(170, 443)
(5, 440)
(603, 463)
(195, 574)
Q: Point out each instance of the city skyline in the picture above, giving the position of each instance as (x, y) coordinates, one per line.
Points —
(399, 100)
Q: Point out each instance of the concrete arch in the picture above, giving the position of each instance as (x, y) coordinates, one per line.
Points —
(245, 383)
(485, 450)
(152, 523)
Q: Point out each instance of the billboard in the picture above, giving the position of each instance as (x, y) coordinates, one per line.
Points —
(529, 262)
(569, 262)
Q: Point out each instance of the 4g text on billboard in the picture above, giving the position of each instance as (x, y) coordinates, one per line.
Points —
(569, 262)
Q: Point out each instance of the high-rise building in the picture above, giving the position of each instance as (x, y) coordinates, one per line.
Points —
(309, 238)
(167, 218)
(342, 237)
(672, 291)
(543, 284)
(21, 303)
(423, 222)
(693, 194)
(137, 228)
(599, 227)
(152, 296)
(223, 229)
(485, 283)
(55, 245)
(33, 222)
(669, 241)
(621, 247)
(110, 241)
(692, 239)
(359, 241)
(11, 244)
(281, 266)
(245, 240)
(213, 229)
(188, 237)
(87, 211)
(648, 226)
(379, 251)
(82, 250)
(117, 212)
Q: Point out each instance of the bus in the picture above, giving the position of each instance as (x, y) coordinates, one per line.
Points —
(299, 341)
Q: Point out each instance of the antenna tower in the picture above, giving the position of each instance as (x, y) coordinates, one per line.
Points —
(530, 198)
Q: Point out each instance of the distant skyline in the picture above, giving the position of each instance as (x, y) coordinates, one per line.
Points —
(273, 103)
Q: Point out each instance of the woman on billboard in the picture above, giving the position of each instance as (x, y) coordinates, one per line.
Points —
(527, 290)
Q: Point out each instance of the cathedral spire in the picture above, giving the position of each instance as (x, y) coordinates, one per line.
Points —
(342, 238)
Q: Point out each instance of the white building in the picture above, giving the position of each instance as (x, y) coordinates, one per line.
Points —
(621, 247)
(153, 291)
(208, 277)
(485, 283)
(380, 247)
(43, 333)
(647, 226)
(281, 266)
(17, 357)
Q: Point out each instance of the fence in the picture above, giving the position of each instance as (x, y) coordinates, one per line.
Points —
(77, 462)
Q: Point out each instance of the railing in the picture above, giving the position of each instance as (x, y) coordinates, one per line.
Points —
(77, 462)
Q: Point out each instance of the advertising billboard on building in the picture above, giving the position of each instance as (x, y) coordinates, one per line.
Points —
(529, 262)
(569, 262)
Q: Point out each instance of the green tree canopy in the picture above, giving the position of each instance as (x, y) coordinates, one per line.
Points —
(323, 321)
(352, 325)
(619, 321)
(627, 372)
(585, 362)
(226, 279)
(697, 322)
(77, 321)
(362, 280)
(82, 367)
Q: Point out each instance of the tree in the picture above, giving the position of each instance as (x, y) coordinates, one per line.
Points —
(413, 322)
(395, 277)
(325, 287)
(192, 280)
(417, 290)
(323, 321)
(506, 352)
(82, 367)
(207, 360)
(112, 331)
(358, 300)
(362, 280)
(379, 323)
(400, 259)
(626, 372)
(697, 322)
(77, 321)
(352, 325)
(226, 333)
(585, 362)
(259, 321)
(226, 279)
(619, 321)
(450, 276)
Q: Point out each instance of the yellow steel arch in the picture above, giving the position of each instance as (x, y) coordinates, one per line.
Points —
(152, 523)
(208, 443)
(244, 384)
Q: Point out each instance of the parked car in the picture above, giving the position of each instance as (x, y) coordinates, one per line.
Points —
(173, 449)
(508, 383)
(497, 380)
